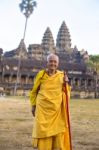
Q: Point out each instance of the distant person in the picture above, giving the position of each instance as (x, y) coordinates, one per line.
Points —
(49, 100)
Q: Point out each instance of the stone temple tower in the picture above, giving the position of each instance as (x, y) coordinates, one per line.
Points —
(63, 41)
(48, 42)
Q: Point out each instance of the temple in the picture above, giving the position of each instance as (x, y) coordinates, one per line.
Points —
(18, 67)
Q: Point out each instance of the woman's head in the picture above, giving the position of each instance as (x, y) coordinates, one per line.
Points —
(52, 62)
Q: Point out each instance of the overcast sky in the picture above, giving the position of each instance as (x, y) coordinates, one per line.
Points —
(81, 17)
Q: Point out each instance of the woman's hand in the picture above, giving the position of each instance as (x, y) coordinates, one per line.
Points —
(65, 77)
(33, 110)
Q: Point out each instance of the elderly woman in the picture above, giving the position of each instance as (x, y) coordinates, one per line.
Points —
(48, 100)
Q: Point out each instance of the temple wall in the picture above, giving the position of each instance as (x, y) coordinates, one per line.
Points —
(81, 88)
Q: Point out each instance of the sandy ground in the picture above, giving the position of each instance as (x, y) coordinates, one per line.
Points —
(16, 124)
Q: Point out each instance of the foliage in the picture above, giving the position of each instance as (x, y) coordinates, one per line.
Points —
(94, 62)
(27, 7)
(1, 51)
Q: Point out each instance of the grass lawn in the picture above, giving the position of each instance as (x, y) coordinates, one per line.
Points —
(16, 124)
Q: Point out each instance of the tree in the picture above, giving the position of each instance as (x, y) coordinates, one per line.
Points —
(1, 63)
(27, 8)
(94, 65)
(1, 52)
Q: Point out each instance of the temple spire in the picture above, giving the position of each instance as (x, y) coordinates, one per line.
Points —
(63, 41)
(48, 42)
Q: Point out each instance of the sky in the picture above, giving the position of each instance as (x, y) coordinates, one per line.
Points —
(80, 16)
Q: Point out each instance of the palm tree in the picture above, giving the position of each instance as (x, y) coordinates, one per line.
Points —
(94, 64)
(27, 8)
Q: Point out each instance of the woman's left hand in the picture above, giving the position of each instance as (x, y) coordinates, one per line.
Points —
(65, 77)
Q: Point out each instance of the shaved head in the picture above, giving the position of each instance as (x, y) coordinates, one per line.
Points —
(50, 56)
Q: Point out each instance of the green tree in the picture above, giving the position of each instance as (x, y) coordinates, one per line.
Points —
(27, 8)
(1, 63)
(93, 63)
(1, 51)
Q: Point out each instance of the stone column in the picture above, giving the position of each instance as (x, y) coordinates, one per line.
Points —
(10, 78)
(86, 84)
(79, 82)
(27, 79)
(71, 82)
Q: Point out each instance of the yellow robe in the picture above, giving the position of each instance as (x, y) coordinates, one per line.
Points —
(51, 117)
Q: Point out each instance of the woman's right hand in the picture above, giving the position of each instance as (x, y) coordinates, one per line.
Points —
(33, 110)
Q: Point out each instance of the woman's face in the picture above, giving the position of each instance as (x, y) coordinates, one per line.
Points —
(52, 63)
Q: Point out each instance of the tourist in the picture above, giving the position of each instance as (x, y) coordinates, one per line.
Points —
(49, 100)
